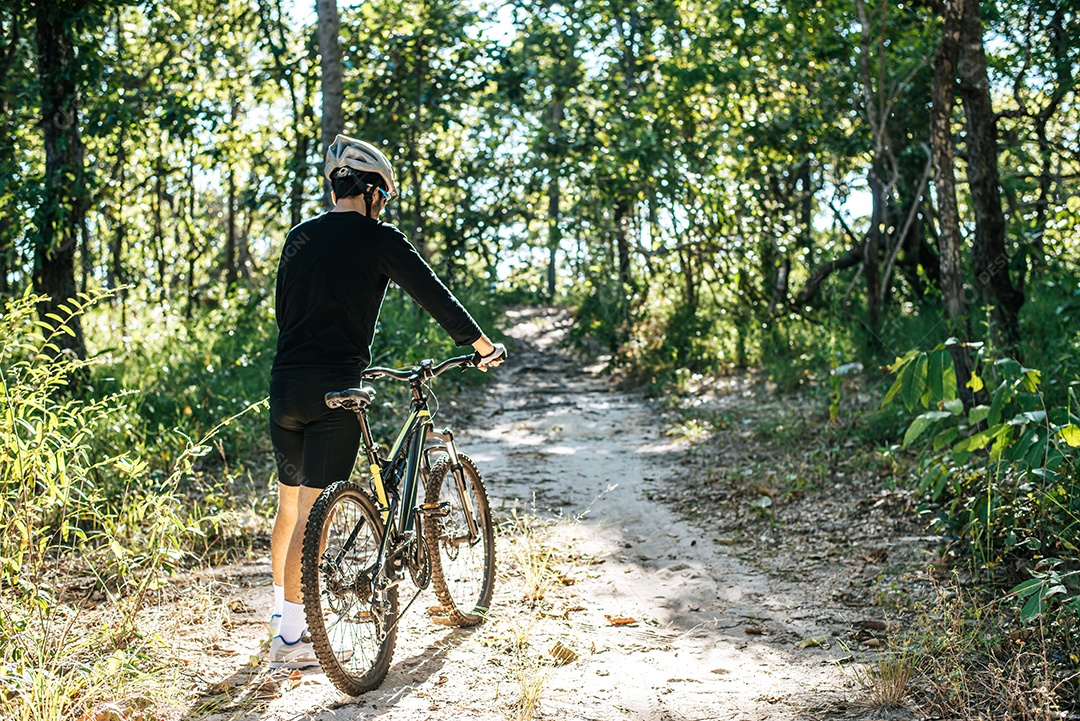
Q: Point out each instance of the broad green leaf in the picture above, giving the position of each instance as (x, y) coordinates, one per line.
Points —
(1000, 444)
(1028, 417)
(915, 382)
(920, 424)
(975, 383)
(902, 361)
(997, 404)
(1034, 607)
(897, 384)
(1071, 435)
(935, 376)
(978, 414)
(1031, 379)
(1054, 591)
(1009, 367)
(945, 438)
(948, 381)
(980, 439)
(1028, 587)
(955, 406)
(1024, 443)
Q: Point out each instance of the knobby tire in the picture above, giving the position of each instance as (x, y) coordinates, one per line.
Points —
(353, 639)
(463, 574)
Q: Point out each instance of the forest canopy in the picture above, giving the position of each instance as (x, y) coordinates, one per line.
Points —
(706, 182)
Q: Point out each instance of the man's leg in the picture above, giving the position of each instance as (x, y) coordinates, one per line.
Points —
(288, 440)
(292, 620)
(330, 445)
(284, 523)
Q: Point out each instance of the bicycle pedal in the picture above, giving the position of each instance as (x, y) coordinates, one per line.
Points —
(435, 510)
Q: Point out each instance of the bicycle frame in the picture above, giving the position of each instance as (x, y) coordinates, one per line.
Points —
(405, 462)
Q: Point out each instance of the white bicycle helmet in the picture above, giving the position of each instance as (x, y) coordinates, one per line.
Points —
(361, 157)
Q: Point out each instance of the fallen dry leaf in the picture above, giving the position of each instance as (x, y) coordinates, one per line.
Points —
(219, 650)
(219, 687)
(269, 689)
(563, 654)
(620, 621)
(720, 671)
(237, 605)
(819, 641)
(440, 681)
(104, 712)
(755, 631)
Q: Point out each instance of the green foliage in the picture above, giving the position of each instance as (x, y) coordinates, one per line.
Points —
(1003, 475)
(83, 490)
(76, 475)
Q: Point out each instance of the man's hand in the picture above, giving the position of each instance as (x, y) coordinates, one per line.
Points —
(488, 354)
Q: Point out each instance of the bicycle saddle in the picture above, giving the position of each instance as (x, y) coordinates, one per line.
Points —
(350, 398)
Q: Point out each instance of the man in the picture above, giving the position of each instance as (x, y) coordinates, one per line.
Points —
(332, 276)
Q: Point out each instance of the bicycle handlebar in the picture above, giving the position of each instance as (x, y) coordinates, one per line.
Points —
(425, 371)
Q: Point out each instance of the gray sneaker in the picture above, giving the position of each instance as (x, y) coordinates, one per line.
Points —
(299, 654)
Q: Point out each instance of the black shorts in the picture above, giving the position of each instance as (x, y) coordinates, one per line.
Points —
(313, 445)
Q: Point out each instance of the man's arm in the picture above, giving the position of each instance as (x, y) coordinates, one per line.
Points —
(400, 262)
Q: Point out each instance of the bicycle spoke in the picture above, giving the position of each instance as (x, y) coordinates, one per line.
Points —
(463, 565)
(347, 618)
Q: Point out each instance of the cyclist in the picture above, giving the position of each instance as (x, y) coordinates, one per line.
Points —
(332, 275)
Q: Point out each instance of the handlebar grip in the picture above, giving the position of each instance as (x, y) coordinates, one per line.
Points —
(496, 355)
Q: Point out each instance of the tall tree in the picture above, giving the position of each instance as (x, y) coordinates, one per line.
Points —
(333, 122)
(949, 239)
(62, 212)
(988, 251)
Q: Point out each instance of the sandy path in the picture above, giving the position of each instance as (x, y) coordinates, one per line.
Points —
(564, 441)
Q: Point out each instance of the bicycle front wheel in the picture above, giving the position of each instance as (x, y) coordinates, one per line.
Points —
(462, 563)
(352, 624)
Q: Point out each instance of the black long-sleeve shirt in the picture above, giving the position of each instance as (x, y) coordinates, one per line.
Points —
(331, 280)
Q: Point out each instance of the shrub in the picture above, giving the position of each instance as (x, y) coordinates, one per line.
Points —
(1003, 476)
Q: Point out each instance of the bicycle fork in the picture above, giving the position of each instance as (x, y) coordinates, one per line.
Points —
(447, 437)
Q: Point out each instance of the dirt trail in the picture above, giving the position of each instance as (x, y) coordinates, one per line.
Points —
(555, 437)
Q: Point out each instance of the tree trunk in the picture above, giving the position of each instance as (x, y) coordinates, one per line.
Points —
(7, 253)
(159, 235)
(417, 203)
(872, 247)
(114, 274)
(193, 243)
(333, 122)
(230, 237)
(622, 244)
(989, 255)
(418, 230)
(554, 171)
(949, 240)
(59, 218)
(296, 190)
(1061, 44)
(806, 212)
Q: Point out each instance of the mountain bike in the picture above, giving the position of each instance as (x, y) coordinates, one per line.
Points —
(363, 540)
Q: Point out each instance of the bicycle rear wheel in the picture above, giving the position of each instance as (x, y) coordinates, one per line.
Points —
(352, 625)
(462, 567)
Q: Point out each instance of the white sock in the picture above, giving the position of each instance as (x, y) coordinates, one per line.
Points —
(279, 599)
(292, 622)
